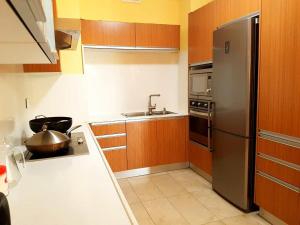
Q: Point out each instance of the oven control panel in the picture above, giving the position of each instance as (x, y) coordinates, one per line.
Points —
(199, 104)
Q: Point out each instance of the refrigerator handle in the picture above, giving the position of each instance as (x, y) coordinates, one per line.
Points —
(209, 125)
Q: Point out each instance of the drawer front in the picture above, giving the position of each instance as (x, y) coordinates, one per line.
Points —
(200, 157)
(278, 150)
(117, 159)
(114, 141)
(277, 199)
(109, 128)
(279, 169)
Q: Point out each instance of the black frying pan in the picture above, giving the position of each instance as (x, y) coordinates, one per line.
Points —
(61, 124)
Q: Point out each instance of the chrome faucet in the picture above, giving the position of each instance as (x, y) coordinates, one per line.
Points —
(150, 106)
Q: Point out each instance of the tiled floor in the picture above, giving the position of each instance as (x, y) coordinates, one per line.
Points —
(181, 197)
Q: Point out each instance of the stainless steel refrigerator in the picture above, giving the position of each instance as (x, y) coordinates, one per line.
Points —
(234, 91)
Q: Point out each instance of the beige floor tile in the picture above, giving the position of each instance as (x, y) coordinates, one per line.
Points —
(145, 189)
(247, 219)
(190, 180)
(128, 191)
(217, 205)
(163, 213)
(167, 185)
(192, 210)
(141, 214)
(204, 194)
(216, 223)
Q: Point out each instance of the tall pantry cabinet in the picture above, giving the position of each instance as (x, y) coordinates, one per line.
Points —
(277, 185)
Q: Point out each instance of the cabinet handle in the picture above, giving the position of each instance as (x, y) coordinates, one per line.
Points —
(279, 161)
(280, 138)
(110, 136)
(277, 181)
(114, 148)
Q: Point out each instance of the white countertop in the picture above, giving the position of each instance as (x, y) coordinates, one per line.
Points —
(119, 117)
(75, 190)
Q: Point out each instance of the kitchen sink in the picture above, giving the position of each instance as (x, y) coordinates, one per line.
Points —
(154, 113)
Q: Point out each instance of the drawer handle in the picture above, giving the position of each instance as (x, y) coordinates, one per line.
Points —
(279, 161)
(114, 148)
(280, 182)
(110, 136)
(280, 138)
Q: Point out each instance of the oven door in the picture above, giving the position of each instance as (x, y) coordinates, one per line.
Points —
(200, 131)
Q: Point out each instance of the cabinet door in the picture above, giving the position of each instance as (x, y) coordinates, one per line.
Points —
(228, 10)
(157, 35)
(94, 32)
(200, 157)
(141, 144)
(201, 27)
(116, 159)
(277, 199)
(279, 79)
(172, 140)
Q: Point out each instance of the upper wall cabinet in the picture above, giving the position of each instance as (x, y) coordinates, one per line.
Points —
(106, 33)
(157, 35)
(117, 34)
(227, 10)
(201, 27)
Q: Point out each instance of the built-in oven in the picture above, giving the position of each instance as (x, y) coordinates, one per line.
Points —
(200, 81)
(200, 121)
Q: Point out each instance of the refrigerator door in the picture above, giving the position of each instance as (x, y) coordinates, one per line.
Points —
(230, 168)
(231, 85)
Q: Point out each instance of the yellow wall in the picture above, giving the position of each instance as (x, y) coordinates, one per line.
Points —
(148, 11)
(195, 4)
(68, 8)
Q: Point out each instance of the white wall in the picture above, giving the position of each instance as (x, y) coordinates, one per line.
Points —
(121, 81)
(113, 83)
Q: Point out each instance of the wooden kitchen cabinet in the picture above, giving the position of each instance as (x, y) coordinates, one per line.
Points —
(117, 159)
(228, 10)
(157, 35)
(108, 128)
(172, 140)
(111, 137)
(107, 33)
(279, 80)
(277, 178)
(201, 157)
(156, 142)
(277, 199)
(141, 144)
(201, 27)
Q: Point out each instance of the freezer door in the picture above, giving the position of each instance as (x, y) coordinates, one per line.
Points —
(230, 168)
(232, 77)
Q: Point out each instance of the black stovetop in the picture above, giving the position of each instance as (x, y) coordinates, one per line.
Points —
(77, 146)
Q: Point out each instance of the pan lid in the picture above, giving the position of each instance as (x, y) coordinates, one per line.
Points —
(47, 137)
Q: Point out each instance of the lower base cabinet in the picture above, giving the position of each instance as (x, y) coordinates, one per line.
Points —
(156, 142)
(172, 141)
(200, 157)
(278, 200)
(117, 160)
(141, 144)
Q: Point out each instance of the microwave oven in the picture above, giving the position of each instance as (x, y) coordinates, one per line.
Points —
(200, 82)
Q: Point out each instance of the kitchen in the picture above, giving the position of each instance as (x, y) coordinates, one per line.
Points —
(158, 163)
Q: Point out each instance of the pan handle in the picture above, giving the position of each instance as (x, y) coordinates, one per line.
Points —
(73, 128)
(40, 116)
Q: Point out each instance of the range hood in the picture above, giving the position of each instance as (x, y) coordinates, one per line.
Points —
(67, 33)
